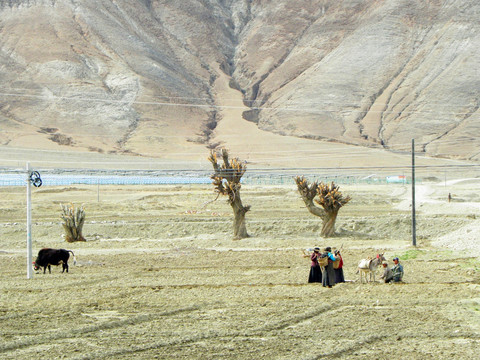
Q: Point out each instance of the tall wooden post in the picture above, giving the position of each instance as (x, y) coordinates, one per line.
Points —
(414, 225)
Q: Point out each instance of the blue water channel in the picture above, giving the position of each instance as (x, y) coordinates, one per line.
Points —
(71, 179)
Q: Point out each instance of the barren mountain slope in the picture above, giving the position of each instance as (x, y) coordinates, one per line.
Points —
(141, 77)
(94, 74)
(367, 72)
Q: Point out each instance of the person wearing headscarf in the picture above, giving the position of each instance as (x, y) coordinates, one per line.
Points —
(339, 278)
(315, 275)
(328, 274)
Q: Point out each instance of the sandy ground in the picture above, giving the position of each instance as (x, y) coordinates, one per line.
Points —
(160, 276)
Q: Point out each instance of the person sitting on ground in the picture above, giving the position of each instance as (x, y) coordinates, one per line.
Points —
(387, 275)
(397, 271)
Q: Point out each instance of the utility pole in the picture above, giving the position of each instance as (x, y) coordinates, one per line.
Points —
(414, 225)
(32, 178)
(29, 224)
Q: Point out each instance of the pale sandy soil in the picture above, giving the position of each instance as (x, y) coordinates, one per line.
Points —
(161, 277)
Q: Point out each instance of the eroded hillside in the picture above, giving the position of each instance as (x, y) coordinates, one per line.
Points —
(142, 77)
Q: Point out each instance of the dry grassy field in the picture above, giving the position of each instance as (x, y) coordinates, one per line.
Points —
(160, 276)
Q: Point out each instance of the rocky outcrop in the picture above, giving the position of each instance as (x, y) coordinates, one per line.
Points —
(136, 76)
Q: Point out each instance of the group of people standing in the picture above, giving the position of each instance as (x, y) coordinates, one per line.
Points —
(327, 268)
(328, 274)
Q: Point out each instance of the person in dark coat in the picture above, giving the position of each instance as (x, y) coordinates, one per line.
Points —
(397, 270)
(328, 274)
(315, 275)
(339, 278)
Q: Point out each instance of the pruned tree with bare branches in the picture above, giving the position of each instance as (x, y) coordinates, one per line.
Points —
(330, 200)
(73, 220)
(226, 179)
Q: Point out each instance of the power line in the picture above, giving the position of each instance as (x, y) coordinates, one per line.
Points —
(213, 106)
(334, 151)
(243, 100)
(268, 170)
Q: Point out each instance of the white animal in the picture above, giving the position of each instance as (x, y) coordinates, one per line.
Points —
(369, 266)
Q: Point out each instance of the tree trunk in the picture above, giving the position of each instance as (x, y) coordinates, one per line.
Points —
(314, 210)
(328, 228)
(239, 226)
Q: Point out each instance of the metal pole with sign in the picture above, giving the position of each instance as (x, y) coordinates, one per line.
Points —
(29, 225)
(33, 177)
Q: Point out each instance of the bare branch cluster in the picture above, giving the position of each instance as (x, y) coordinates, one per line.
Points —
(306, 191)
(330, 198)
(73, 220)
(226, 177)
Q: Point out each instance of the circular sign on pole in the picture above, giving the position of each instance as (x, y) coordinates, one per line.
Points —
(35, 179)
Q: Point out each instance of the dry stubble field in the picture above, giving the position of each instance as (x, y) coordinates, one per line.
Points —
(160, 277)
